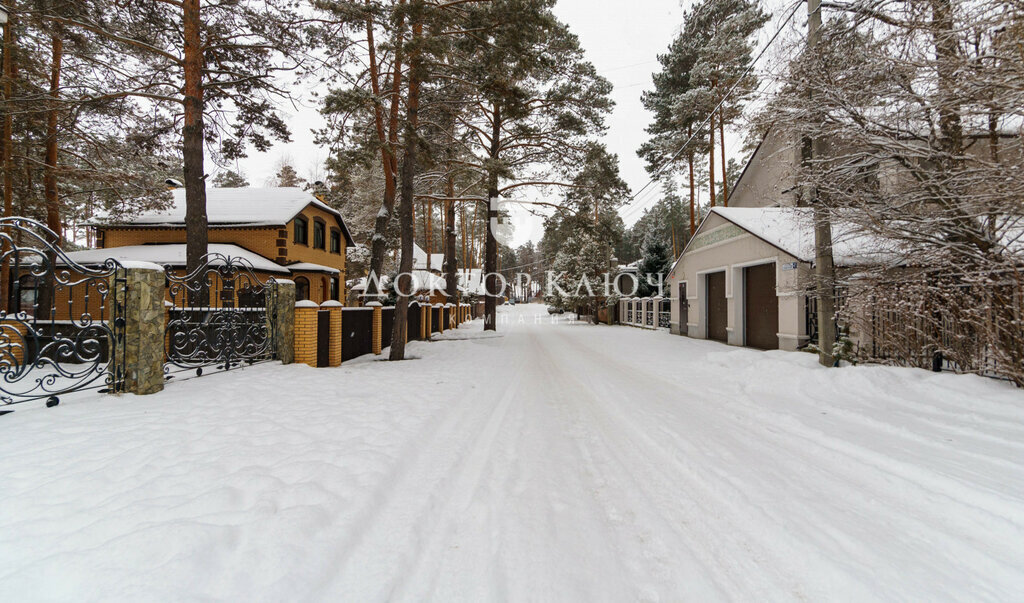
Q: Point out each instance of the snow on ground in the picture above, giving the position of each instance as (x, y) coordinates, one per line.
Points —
(550, 461)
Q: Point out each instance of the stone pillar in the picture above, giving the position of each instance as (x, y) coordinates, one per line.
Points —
(378, 313)
(334, 347)
(305, 332)
(144, 329)
(283, 299)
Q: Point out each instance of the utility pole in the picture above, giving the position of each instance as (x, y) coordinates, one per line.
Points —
(824, 266)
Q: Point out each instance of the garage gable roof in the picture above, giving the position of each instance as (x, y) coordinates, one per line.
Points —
(791, 230)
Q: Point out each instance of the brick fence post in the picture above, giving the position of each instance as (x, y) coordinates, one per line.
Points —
(144, 328)
(284, 302)
(378, 317)
(424, 327)
(440, 317)
(305, 332)
(429, 321)
(334, 346)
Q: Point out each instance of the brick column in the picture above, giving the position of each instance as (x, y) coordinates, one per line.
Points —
(283, 299)
(334, 347)
(440, 317)
(144, 329)
(429, 321)
(305, 332)
(377, 319)
(424, 326)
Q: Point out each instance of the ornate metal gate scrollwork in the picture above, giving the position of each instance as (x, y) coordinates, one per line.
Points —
(61, 323)
(220, 315)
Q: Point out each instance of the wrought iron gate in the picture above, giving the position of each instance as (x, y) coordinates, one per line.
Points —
(61, 323)
(221, 315)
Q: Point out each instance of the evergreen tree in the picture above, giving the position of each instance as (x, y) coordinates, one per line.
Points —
(287, 177)
(654, 267)
(230, 179)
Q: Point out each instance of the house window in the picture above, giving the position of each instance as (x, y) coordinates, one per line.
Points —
(301, 288)
(334, 289)
(335, 241)
(28, 294)
(318, 234)
(302, 231)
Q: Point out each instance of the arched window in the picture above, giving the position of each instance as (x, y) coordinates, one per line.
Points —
(301, 288)
(301, 231)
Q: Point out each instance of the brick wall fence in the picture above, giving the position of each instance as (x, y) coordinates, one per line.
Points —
(297, 333)
(359, 331)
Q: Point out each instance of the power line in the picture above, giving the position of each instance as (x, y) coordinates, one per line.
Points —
(657, 173)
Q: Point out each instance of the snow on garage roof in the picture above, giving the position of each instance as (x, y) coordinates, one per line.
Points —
(237, 206)
(791, 229)
(171, 254)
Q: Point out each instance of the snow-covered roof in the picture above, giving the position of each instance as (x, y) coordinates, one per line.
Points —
(419, 257)
(250, 206)
(791, 229)
(171, 254)
(310, 267)
(471, 280)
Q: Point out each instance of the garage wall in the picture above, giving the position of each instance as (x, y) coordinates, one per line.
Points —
(723, 246)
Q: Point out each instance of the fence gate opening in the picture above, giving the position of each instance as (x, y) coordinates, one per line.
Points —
(220, 315)
(61, 323)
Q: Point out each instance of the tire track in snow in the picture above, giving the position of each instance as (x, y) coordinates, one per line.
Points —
(826, 465)
(405, 500)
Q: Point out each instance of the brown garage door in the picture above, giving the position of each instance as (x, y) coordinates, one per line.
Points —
(684, 309)
(761, 307)
(718, 307)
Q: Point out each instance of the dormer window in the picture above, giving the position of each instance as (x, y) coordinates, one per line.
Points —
(301, 231)
(335, 241)
(319, 234)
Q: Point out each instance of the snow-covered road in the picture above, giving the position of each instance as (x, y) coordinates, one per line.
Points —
(547, 462)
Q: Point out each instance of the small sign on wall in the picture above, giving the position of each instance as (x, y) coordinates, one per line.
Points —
(789, 266)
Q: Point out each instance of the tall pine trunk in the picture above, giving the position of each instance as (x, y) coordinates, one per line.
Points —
(5, 153)
(387, 136)
(196, 234)
(451, 262)
(711, 157)
(53, 221)
(721, 139)
(405, 212)
(693, 187)
(491, 243)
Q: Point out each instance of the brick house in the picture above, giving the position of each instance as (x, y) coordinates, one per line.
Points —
(283, 232)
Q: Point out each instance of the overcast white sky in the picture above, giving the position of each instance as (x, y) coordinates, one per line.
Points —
(621, 39)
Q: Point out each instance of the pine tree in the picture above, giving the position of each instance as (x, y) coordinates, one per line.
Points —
(287, 177)
(654, 267)
(230, 179)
